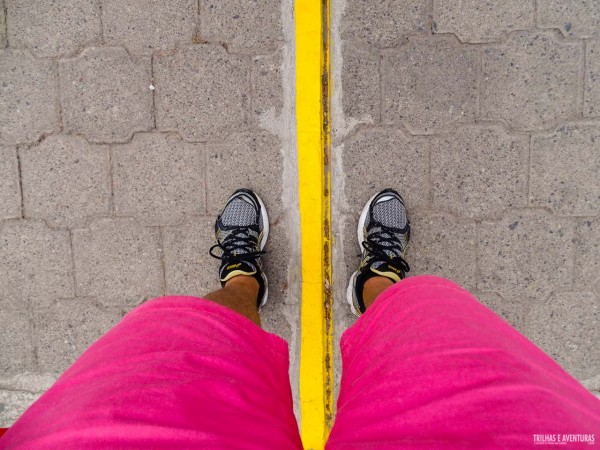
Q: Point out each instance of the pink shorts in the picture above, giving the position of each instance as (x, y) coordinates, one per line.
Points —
(427, 366)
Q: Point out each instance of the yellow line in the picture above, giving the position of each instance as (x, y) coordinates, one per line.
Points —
(312, 111)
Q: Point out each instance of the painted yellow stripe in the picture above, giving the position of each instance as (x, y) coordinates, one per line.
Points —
(312, 111)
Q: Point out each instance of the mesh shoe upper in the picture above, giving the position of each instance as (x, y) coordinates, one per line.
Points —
(239, 233)
(385, 236)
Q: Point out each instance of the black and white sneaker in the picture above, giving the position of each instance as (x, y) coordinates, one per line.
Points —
(383, 232)
(241, 231)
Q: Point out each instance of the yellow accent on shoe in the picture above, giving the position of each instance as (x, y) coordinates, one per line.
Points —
(390, 275)
(236, 273)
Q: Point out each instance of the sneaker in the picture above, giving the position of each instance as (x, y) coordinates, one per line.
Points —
(241, 231)
(383, 232)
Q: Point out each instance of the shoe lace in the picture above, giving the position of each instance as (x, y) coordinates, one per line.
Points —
(375, 245)
(239, 245)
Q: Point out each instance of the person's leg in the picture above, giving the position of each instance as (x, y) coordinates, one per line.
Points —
(176, 372)
(239, 294)
(428, 366)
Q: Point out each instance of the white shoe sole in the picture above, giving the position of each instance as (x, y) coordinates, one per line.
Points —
(263, 241)
(350, 291)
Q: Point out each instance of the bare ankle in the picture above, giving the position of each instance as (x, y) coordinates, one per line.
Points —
(373, 287)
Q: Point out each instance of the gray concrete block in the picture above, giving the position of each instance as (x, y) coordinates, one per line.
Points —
(118, 262)
(145, 26)
(525, 256)
(591, 102)
(35, 262)
(479, 171)
(10, 191)
(567, 327)
(159, 179)
(29, 106)
(189, 269)
(2, 25)
(360, 82)
(574, 18)
(13, 404)
(65, 180)
(430, 83)
(280, 314)
(201, 92)
(267, 90)
(52, 29)
(384, 23)
(565, 168)
(252, 160)
(587, 256)
(479, 21)
(105, 94)
(245, 26)
(512, 310)
(532, 81)
(16, 335)
(66, 329)
(444, 246)
(406, 167)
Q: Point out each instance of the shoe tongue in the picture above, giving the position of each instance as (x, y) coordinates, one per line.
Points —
(389, 212)
(239, 213)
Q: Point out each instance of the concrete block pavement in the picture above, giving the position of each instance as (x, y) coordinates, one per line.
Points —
(563, 325)
(592, 80)
(362, 98)
(527, 255)
(29, 107)
(409, 170)
(65, 180)
(455, 105)
(119, 259)
(53, 29)
(109, 114)
(532, 81)
(443, 245)
(430, 84)
(251, 159)
(10, 191)
(2, 25)
(16, 335)
(476, 21)
(35, 262)
(106, 94)
(559, 179)
(248, 27)
(159, 179)
(505, 98)
(76, 324)
(479, 171)
(266, 102)
(201, 92)
(574, 18)
(384, 23)
(587, 255)
(147, 26)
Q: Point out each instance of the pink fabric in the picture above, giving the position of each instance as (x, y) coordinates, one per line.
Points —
(427, 366)
(176, 372)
